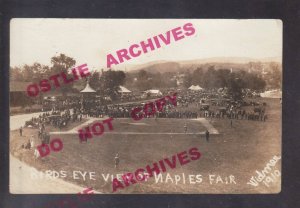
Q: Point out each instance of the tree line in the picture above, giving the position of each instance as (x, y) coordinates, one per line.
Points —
(221, 78)
(107, 82)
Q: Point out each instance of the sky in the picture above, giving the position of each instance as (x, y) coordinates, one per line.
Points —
(91, 40)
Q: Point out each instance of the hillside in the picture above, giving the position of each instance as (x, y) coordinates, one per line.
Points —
(178, 66)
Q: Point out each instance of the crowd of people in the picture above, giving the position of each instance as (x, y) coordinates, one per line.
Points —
(55, 118)
(190, 104)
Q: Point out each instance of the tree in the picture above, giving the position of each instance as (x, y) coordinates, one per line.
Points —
(210, 78)
(29, 73)
(62, 63)
(252, 81)
(276, 78)
(94, 80)
(235, 86)
(144, 80)
(15, 74)
(223, 77)
(130, 80)
(188, 78)
(197, 78)
(110, 82)
(168, 80)
(157, 80)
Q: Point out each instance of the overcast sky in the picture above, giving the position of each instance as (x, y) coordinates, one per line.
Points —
(90, 40)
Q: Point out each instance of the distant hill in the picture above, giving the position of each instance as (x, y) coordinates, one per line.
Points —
(160, 67)
(236, 60)
(178, 66)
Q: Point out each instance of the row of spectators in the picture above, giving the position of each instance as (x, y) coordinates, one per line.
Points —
(189, 106)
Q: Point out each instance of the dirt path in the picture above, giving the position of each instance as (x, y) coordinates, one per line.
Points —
(17, 121)
(212, 130)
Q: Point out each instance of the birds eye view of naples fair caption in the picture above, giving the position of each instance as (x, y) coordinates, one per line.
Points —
(204, 127)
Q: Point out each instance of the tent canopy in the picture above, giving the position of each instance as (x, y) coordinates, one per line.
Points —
(195, 87)
(272, 94)
(156, 92)
(87, 89)
(123, 90)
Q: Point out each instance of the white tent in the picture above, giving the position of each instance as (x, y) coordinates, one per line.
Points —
(195, 88)
(87, 89)
(123, 90)
(53, 98)
(191, 87)
(154, 92)
(272, 94)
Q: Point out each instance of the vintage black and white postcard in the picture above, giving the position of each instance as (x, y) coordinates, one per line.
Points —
(145, 106)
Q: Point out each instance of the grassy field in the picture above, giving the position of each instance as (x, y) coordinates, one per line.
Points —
(238, 151)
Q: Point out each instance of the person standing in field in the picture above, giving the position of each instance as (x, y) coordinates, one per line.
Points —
(117, 160)
(21, 131)
(207, 135)
(31, 142)
(185, 128)
(265, 117)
